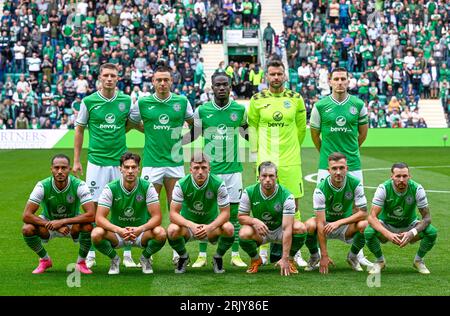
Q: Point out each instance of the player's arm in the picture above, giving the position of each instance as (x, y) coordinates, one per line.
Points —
(35, 199)
(189, 115)
(422, 205)
(325, 260)
(375, 210)
(134, 120)
(363, 125)
(287, 227)
(314, 123)
(81, 123)
(175, 209)
(195, 129)
(245, 218)
(300, 120)
(223, 201)
(243, 129)
(253, 123)
(154, 210)
(101, 217)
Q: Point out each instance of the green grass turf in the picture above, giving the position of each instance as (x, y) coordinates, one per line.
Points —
(20, 169)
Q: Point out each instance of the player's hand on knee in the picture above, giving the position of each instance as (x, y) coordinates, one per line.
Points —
(406, 238)
(330, 227)
(64, 230)
(395, 238)
(200, 232)
(261, 228)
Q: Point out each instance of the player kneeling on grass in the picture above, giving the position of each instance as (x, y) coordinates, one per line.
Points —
(393, 218)
(273, 210)
(135, 216)
(333, 200)
(200, 210)
(61, 196)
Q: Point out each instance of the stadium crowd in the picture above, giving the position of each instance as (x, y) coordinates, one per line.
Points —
(397, 52)
(51, 51)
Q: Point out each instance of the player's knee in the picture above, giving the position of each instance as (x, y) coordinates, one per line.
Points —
(431, 232)
(245, 232)
(86, 227)
(310, 225)
(160, 233)
(97, 235)
(28, 230)
(361, 226)
(173, 231)
(299, 228)
(369, 233)
(228, 229)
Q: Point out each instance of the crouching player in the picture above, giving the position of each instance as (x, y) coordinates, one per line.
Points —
(61, 196)
(135, 216)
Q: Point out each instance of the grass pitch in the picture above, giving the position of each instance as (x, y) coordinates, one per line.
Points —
(21, 169)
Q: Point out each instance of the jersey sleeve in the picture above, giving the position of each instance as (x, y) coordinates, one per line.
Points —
(379, 196)
(244, 204)
(244, 118)
(360, 197)
(319, 200)
(253, 122)
(83, 115)
(83, 193)
(197, 119)
(223, 199)
(289, 206)
(300, 120)
(152, 195)
(314, 120)
(189, 112)
(106, 197)
(177, 194)
(421, 197)
(362, 120)
(37, 195)
(135, 114)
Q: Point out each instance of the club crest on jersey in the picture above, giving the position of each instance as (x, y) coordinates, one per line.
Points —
(278, 207)
(234, 116)
(121, 106)
(209, 194)
(177, 107)
(110, 118)
(60, 209)
(277, 116)
(222, 129)
(287, 104)
(409, 200)
(340, 121)
(70, 198)
(129, 211)
(164, 119)
(348, 195)
(338, 207)
(198, 205)
(353, 110)
(139, 198)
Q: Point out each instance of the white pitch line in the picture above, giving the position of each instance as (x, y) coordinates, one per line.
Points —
(310, 177)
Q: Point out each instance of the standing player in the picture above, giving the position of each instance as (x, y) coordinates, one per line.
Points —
(334, 200)
(220, 121)
(135, 216)
(339, 124)
(200, 210)
(277, 118)
(273, 210)
(393, 218)
(108, 115)
(163, 114)
(61, 196)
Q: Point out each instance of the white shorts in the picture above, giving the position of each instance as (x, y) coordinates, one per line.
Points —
(323, 173)
(97, 177)
(136, 243)
(56, 234)
(157, 174)
(339, 233)
(274, 236)
(233, 182)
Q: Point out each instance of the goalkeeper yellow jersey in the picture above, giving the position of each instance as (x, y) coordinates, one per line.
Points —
(277, 126)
